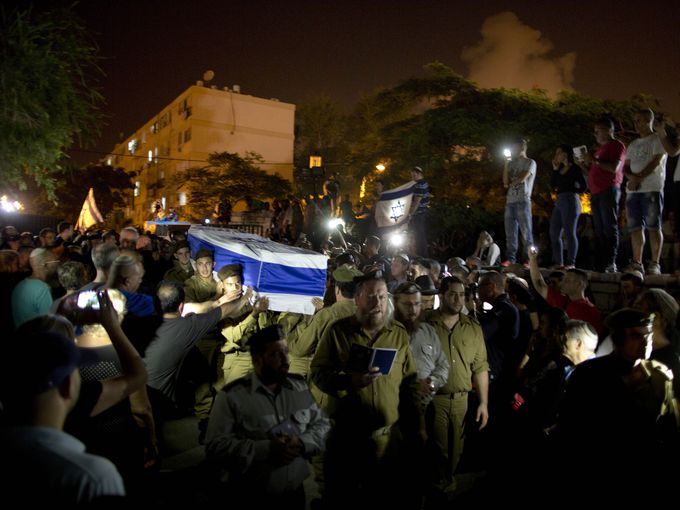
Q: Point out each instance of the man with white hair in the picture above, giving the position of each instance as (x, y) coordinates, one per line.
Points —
(32, 296)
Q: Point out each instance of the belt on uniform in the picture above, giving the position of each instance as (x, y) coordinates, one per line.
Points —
(455, 395)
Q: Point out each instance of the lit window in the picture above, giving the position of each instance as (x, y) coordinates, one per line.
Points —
(108, 161)
(138, 188)
(132, 146)
(150, 155)
(163, 202)
(182, 198)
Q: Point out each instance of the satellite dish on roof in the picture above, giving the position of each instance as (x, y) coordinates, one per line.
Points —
(208, 75)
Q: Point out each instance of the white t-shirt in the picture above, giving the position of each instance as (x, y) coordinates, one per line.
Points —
(640, 152)
(521, 192)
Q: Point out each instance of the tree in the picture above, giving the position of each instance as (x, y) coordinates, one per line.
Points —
(47, 98)
(320, 126)
(110, 185)
(228, 177)
(456, 132)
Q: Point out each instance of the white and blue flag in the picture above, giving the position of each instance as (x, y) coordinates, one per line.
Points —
(89, 214)
(393, 206)
(290, 277)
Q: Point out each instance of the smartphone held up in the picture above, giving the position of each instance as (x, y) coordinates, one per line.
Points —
(88, 299)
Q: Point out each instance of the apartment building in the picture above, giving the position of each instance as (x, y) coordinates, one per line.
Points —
(202, 120)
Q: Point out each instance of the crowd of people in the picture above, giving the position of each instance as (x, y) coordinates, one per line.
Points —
(482, 370)
(490, 372)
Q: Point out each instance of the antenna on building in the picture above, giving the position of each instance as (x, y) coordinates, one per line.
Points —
(208, 75)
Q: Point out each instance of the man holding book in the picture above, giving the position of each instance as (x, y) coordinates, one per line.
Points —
(365, 447)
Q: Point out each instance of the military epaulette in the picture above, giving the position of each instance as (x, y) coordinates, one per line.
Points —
(662, 369)
(470, 318)
(242, 381)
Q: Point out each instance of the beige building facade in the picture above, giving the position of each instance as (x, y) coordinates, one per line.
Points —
(202, 120)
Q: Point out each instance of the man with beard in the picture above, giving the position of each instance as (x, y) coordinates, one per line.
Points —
(375, 416)
(463, 344)
(431, 363)
(263, 428)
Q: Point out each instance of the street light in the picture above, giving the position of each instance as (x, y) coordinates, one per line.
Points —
(8, 206)
(380, 167)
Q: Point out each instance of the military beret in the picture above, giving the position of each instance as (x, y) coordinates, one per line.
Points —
(203, 252)
(181, 244)
(346, 273)
(230, 270)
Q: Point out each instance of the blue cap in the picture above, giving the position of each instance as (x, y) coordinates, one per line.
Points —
(38, 362)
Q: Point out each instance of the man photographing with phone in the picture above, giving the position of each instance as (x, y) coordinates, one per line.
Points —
(604, 168)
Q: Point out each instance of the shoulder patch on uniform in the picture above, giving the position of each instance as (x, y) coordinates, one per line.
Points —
(242, 381)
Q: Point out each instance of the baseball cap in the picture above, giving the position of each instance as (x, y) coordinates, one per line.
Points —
(41, 361)
(418, 169)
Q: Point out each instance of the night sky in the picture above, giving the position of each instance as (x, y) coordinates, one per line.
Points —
(294, 50)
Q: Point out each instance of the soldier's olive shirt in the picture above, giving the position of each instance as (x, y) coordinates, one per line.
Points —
(464, 348)
(178, 274)
(307, 340)
(198, 290)
(244, 418)
(376, 405)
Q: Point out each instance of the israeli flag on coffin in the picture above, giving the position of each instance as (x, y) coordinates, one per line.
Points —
(394, 204)
(290, 277)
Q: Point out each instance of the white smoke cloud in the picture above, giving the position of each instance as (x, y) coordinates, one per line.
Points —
(512, 54)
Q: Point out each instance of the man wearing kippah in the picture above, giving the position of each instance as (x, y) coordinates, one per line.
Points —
(619, 416)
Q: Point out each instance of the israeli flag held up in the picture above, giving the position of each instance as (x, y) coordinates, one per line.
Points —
(392, 208)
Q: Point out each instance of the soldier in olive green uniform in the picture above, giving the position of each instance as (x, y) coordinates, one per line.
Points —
(182, 268)
(364, 449)
(201, 288)
(463, 343)
(235, 360)
(303, 347)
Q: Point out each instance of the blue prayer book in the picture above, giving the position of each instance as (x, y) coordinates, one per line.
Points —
(362, 358)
